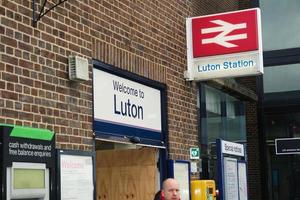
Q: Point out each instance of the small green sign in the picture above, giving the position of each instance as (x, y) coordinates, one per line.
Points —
(194, 153)
(30, 133)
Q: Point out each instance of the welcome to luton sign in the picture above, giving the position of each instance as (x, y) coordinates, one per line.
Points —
(224, 45)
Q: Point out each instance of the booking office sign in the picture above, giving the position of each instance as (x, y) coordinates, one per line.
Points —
(224, 45)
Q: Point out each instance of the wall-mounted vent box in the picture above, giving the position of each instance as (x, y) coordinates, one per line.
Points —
(78, 68)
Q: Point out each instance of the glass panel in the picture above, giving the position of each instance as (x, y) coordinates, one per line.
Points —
(224, 119)
(213, 101)
(235, 122)
(282, 125)
(275, 78)
(28, 178)
(213, 122)
(276, 127)
(280, 24)
(235, 129)
(214, 126)
(230, 125)
(284, 170)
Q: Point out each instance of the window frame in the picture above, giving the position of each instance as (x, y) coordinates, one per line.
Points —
(207, 158)
(281, 57)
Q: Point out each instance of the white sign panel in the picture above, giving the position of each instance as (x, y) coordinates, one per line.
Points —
(231, 179)
(181, 174)
(241, 64)
(232, 148)
(243, 190)
(124, 102)
(76, 177)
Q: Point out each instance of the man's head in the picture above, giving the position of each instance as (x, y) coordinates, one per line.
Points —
(170, 189)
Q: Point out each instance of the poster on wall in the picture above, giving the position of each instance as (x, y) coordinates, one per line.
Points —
(76, 177)
(242, 173)
(231, 179)
(180, 170)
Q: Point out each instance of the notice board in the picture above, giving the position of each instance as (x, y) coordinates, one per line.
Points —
(180, 170)
(242, 174)
(231, 179)
(76, 177)
(232, 168)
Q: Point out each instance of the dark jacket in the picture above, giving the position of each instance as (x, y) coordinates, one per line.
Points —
(157, 196)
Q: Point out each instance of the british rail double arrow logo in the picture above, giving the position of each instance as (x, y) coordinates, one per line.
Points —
(224, 33)
(223, 38)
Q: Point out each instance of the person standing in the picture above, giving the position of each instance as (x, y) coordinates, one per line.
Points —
(169, 191)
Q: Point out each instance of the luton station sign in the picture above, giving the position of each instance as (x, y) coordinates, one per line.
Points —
(224, 45)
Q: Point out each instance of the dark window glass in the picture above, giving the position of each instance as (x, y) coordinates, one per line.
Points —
(222, 116)
(284, 173)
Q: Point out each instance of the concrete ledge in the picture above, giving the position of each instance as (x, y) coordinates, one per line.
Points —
(233, 88)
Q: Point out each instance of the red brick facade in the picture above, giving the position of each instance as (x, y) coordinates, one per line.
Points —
(143, 37)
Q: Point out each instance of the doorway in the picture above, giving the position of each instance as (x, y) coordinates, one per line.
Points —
(126, 172)
(283, 170)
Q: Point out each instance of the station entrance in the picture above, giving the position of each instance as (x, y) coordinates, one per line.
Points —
(126, 172)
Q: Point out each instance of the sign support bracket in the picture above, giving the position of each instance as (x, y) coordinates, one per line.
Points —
(37, 14)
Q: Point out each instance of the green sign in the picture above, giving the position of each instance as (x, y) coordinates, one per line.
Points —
(194, 153)
(26, 144)
(29, 133)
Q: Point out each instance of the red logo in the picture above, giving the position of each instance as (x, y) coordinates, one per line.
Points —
(225, 33)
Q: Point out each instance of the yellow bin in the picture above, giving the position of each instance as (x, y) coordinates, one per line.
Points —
(203, 190)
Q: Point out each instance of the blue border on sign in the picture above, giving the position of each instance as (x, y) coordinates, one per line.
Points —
(123, 130)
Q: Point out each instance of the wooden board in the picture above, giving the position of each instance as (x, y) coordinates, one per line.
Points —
(126, 174)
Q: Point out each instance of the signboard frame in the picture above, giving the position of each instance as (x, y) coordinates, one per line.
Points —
(287, 150)
(21, 145)
(75, 153)
(27, 145)
(231, 165)
(223, 157)
(232, 148)
(129, 132)
(230, 64)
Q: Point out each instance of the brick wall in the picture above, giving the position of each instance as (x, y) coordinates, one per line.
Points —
(35, 90)
(253, 148)
(143, 37)
(254, 168)
(151, 43)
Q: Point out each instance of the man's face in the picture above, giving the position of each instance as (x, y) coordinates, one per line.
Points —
(171, 190)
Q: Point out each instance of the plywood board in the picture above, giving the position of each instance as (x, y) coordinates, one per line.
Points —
(126, 174)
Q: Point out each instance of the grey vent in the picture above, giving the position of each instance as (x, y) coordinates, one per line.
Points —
(78, 68)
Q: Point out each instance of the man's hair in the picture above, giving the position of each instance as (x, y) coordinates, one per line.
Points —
(167, 180)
